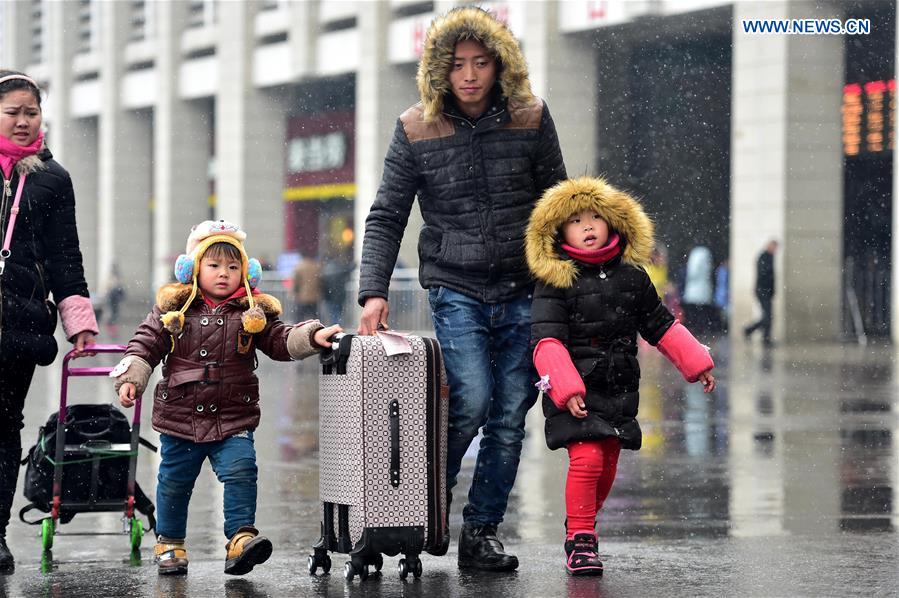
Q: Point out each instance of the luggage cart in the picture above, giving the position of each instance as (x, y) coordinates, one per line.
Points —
(94, 452)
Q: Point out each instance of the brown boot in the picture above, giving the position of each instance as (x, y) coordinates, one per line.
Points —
(245, 550)
(170, 556)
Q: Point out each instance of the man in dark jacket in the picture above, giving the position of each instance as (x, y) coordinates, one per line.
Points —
(764, 292)
(477, 151)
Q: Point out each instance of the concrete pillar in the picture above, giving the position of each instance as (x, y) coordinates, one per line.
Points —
(72, 141)
(560, 63)
(180, 131)
(303, 35)
(249, 137)
(786, 170)
(125, 174)
(382, 93)
(15, 37)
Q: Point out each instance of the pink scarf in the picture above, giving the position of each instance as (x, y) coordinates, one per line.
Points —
(11, 153)
(595, 256)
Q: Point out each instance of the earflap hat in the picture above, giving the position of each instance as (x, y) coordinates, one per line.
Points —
(187, 268)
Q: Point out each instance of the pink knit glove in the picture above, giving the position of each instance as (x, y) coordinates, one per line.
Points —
(552, 359)
(688, 355)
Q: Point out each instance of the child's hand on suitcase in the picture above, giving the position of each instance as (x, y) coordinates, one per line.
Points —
(577, 407)
(321, 337)
(126, 394)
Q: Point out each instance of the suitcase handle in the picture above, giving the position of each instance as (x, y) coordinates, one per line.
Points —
(393, 412)
(336, 357)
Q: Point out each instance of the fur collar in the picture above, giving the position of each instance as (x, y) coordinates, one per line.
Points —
(437, 57)
(170, 297)
(623, 213)
(38, 161)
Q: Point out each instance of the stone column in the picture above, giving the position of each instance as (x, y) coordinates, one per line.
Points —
(563, 72)
(73, 141)
(382, 93)
(181, 158)
(249, 138)
(125, 172)
(786, 170)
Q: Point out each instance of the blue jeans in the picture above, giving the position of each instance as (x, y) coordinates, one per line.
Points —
(234, 463)
(486, 349)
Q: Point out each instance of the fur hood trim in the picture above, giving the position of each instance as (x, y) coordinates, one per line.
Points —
(621, 211)
(172, 296)
(464, 23)
(30, 164)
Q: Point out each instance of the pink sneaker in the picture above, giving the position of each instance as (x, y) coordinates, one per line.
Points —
(582, 557)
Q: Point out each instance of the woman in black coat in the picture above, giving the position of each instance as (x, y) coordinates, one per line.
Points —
(39, 258)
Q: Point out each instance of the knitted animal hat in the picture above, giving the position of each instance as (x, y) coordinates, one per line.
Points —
(187, 268)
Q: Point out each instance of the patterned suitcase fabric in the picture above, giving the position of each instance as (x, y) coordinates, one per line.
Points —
(382, 450)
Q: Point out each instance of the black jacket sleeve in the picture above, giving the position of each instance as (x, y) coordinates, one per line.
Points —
(549, 314)
(549, 168)
(655, 319)
(387, 219)
(62, 251)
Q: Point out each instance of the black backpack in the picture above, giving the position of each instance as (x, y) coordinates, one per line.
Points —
(92, 425)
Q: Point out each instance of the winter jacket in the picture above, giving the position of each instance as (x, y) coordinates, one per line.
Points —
(476, 179)
(764, 279)
(45, 260)
(595, 311)
(208, 391)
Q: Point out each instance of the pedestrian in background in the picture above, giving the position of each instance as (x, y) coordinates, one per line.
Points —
(764, 292)
(698, 297)
(115, 295)
(587, 243)
(40, 258)
(722, 294)
(207, 327)
(477, 152)
(307, 290)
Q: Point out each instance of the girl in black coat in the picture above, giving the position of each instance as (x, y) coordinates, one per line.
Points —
(586, 244)
(39, 257)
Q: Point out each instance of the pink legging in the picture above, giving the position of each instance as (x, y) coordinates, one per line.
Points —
(591, 471)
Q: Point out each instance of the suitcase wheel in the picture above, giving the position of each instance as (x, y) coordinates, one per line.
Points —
(317, 560)
(404, 568)
(350, 571)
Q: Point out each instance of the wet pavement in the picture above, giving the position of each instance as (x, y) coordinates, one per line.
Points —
(781, 483)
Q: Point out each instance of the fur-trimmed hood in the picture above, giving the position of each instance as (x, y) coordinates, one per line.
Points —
(30, 164)
(621, 211)
(437, 57)
(172, 296)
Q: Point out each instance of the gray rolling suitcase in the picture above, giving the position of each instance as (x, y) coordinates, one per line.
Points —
(382, 454)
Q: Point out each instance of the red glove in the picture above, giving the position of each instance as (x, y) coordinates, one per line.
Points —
(551, 358)
(687, 354)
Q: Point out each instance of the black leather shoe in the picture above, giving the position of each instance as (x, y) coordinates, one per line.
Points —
(7, 564)
(479, 548)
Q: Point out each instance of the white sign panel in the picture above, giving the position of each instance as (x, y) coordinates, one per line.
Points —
(581, 15)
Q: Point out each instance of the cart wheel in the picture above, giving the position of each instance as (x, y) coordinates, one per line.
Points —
(402, 569)
(47, 562)
(326, 563)
(349, 571)
(416, 568)
(137, 533)
(378, 562)
(48, 528)
(313, 566)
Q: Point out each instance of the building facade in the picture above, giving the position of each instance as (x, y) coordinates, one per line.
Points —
(277, 115)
